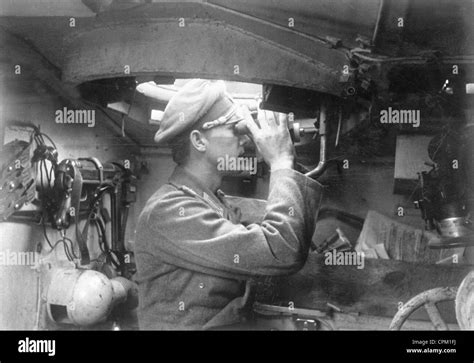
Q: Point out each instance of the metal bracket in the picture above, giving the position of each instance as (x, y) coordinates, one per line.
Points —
(319, 169)
(306, 324)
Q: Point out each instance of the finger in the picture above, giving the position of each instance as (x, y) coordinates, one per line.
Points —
(271, 120)
(252, 126)
(283, 121)
(263, 119)
(276, 115)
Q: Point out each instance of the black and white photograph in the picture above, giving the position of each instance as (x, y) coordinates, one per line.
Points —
(237, 165)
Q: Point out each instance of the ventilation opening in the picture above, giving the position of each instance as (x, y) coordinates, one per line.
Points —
(59, 313)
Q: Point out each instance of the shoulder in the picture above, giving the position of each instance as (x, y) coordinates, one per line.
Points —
(169, 198)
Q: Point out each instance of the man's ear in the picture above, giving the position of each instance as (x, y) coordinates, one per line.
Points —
(198, 140)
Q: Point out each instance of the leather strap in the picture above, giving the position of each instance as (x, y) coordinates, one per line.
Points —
(81, 237)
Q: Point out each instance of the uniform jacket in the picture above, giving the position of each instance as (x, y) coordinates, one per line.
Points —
(194, 257)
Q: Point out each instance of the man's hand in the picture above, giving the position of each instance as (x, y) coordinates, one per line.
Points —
(272, 139)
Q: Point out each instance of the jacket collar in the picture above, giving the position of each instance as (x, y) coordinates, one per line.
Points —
(183, 179)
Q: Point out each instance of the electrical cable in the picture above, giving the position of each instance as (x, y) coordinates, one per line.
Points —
(101, 225)
(49, 139)
(72, 252)
(41, 167)
(99, 234)
(66, 250)
(42, 196)
(45, 234)
(93, 216)
(111, 254)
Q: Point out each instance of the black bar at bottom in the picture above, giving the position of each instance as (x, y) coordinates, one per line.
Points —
(227, 345)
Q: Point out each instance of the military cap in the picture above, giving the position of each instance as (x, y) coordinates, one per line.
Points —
(198, 100)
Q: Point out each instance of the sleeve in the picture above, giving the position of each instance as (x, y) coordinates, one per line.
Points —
(184, 231)
(251, 210)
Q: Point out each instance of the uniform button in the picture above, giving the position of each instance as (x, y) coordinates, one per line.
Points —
(201, 285)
